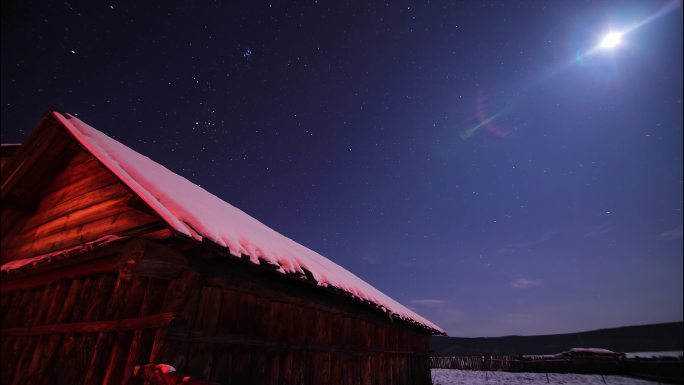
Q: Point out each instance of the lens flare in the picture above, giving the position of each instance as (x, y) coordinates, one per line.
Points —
(485, 121)
(473, 130)
(611, 40)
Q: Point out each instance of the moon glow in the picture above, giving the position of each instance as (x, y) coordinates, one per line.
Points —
(611, 40)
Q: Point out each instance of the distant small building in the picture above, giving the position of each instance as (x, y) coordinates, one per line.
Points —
(111, 262)
(591, 352)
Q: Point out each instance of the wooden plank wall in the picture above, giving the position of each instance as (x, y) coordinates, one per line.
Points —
(226, 335)
(78, 357)
(82, 203)
(242, 336)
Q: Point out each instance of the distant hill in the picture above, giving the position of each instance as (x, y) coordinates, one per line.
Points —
(644, 338)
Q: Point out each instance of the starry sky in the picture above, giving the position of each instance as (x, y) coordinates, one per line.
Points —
(481, 162)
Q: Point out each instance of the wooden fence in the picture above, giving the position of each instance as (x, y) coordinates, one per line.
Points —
(666, 370)
(489, 362)
(533, 364)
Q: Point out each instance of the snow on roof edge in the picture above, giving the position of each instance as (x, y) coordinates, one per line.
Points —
(220, 223)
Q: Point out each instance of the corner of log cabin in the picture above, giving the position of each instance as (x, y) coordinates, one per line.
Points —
(57, 196)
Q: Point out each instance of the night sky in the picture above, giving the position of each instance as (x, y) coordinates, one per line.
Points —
(481, 162)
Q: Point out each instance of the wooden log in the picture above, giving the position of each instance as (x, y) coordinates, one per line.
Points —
(60, 292)
(88, 212)
(77, 210)
(222, 372)
(31, 308)
(95, 309)
(150, 259)
(6, 305)
(60, 372)
(118, 223)
(125, 299)
(40, 143)
(55, 274)
(347, 370)
(92, 184)
(356, 369)
(24, 184)
(348, 334)
(286, 322)
(21, 200)
(96, 289)
(15, 347)
(270, 329)
(81, 163)
(47, 364)
(276, 288)
(48, 292)
(5, 364)
(122, 340)
(258, 365)
(200, 355)
(273, 368)
(286, 367)
(246, 314)
(181, 299)
(366, 370)
(147, 322)
(261, 312)
(141, 345)
(229, 308)
(295, 334)
(326, 368)
(227, 323)
(24, 360)
(309, 325)
(241, 365)
(15, 316)
(159, 235)
(335, 368)
(312, 367)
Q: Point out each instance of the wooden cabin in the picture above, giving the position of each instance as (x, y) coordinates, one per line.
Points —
(115, 269)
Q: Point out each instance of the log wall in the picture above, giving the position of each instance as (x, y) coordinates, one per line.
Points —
(82, 203)
(242, 327)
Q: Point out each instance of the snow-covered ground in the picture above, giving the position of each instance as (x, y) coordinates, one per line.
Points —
(672, 353)
(474, 377)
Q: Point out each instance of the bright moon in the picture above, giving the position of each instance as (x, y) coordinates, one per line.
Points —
(611, 40)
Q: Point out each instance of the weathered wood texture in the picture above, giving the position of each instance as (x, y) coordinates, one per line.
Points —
(231, 327)
(253, 327)
(80, 330)
(29, 170)
(89, 329)
(81, 203)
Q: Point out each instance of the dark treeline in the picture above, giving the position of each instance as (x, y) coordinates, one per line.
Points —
(654, 337)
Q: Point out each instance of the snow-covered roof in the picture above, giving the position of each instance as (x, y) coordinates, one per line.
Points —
(196, 213)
